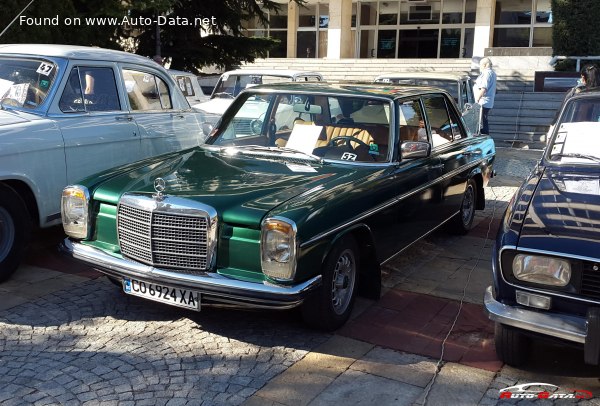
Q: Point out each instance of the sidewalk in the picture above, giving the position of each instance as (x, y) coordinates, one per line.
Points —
(387, 354)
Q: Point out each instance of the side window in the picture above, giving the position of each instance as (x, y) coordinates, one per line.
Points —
(90, 89)
(464, 94)
(411, 124)
(439, 119)
(146, 91)
(185, 85)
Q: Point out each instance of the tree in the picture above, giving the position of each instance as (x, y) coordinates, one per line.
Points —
(220, 42)
(44, 22)
(179, 34)
(574, 31)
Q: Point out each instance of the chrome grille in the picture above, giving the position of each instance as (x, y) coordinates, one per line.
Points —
(152, 235)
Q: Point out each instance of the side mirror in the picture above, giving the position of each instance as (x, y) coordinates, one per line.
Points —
(414, 149)
(466, 108)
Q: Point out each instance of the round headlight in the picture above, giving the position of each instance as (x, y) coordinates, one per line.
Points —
(74, 210)
(541, 269)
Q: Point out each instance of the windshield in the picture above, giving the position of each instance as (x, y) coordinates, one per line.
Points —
(232, 85)
(25, 82)
(577, 137)
(450, 86)
(339, 128)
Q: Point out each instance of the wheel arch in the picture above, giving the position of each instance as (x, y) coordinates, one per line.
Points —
(24, 191)
(369, 278)
(477, 176)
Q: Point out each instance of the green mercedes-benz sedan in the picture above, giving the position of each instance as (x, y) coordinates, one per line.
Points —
(301, 193)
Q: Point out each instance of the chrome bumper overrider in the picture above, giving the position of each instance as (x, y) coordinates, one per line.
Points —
(568, 328)
(215, 289)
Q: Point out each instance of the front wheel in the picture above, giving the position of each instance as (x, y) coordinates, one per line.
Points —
(330, 307)
(512, 346)
(15, 229)
(463, 222)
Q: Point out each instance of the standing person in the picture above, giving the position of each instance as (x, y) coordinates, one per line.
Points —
(590, 77)
(486, 91)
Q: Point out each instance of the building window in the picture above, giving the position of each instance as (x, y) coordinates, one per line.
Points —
(277, 29)
(523, 23)
(415, 29)
(313, 22)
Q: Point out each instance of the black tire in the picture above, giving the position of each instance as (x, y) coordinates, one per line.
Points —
(512, 346)
(330, 307)
(15, 231)
(463, 221)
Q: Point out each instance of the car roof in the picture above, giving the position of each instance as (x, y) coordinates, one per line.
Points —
(380, 90)
(72, 52)
(424, 75)
(272, 72)
(181, 72)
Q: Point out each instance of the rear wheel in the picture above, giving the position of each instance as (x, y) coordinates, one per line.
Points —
(330, 307)
(15, 231)
(512, 346)
(463, 222)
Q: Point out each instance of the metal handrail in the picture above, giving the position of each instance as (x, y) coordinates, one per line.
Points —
(578, 60)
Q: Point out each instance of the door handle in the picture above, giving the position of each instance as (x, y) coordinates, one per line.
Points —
(440, 166)
(124, 118)
(177, 115)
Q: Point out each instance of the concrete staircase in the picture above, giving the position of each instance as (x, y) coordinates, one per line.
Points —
(520, 116)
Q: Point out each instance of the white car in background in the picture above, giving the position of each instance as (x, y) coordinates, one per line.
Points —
(68, 112)
(231, 83)
(458, 84)
(189, 86)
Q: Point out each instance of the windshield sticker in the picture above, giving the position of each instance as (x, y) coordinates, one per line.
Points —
(44, 84)
(300, 168)
(373, 149)
(349, 156)
(4, 87)
(45, 68)
(146, 79)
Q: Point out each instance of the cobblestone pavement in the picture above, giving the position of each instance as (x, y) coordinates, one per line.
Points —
(69, 336)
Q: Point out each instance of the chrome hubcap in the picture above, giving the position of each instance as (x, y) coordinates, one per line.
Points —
(7, 233)
(468, 205)
(342, 285)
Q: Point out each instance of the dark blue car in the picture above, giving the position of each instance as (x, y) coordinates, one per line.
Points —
(546, 260)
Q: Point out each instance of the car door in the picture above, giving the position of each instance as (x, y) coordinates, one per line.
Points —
(164, 124)
(415, 180)
(454, 148)
(470, 110)
(98, 132)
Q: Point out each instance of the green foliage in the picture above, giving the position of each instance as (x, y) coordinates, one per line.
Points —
(103, 36)
(188, 47)
(575, 28)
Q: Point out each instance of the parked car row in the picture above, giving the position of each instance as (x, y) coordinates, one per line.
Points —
(298, 197)
(69, 112)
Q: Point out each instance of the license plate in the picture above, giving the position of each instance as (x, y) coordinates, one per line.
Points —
(190, 299)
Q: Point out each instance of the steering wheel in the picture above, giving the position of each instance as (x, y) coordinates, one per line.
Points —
(347, 139)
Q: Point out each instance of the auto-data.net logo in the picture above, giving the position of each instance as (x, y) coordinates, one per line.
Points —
(538, 390)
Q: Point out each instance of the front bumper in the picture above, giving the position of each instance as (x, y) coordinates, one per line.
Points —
(570, 328)
(215, 289)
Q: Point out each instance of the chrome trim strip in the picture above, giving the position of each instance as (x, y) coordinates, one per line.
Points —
(539, 290)
(390, 203)
(418, 239)
(565, 327)
(209, 283)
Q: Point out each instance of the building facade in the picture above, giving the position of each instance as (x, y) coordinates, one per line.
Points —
(336, 29)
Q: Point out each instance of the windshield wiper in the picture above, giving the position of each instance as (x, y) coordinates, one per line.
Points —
(576, 155)
(282, 149)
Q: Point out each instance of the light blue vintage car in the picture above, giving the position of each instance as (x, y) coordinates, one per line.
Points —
(68, 112)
